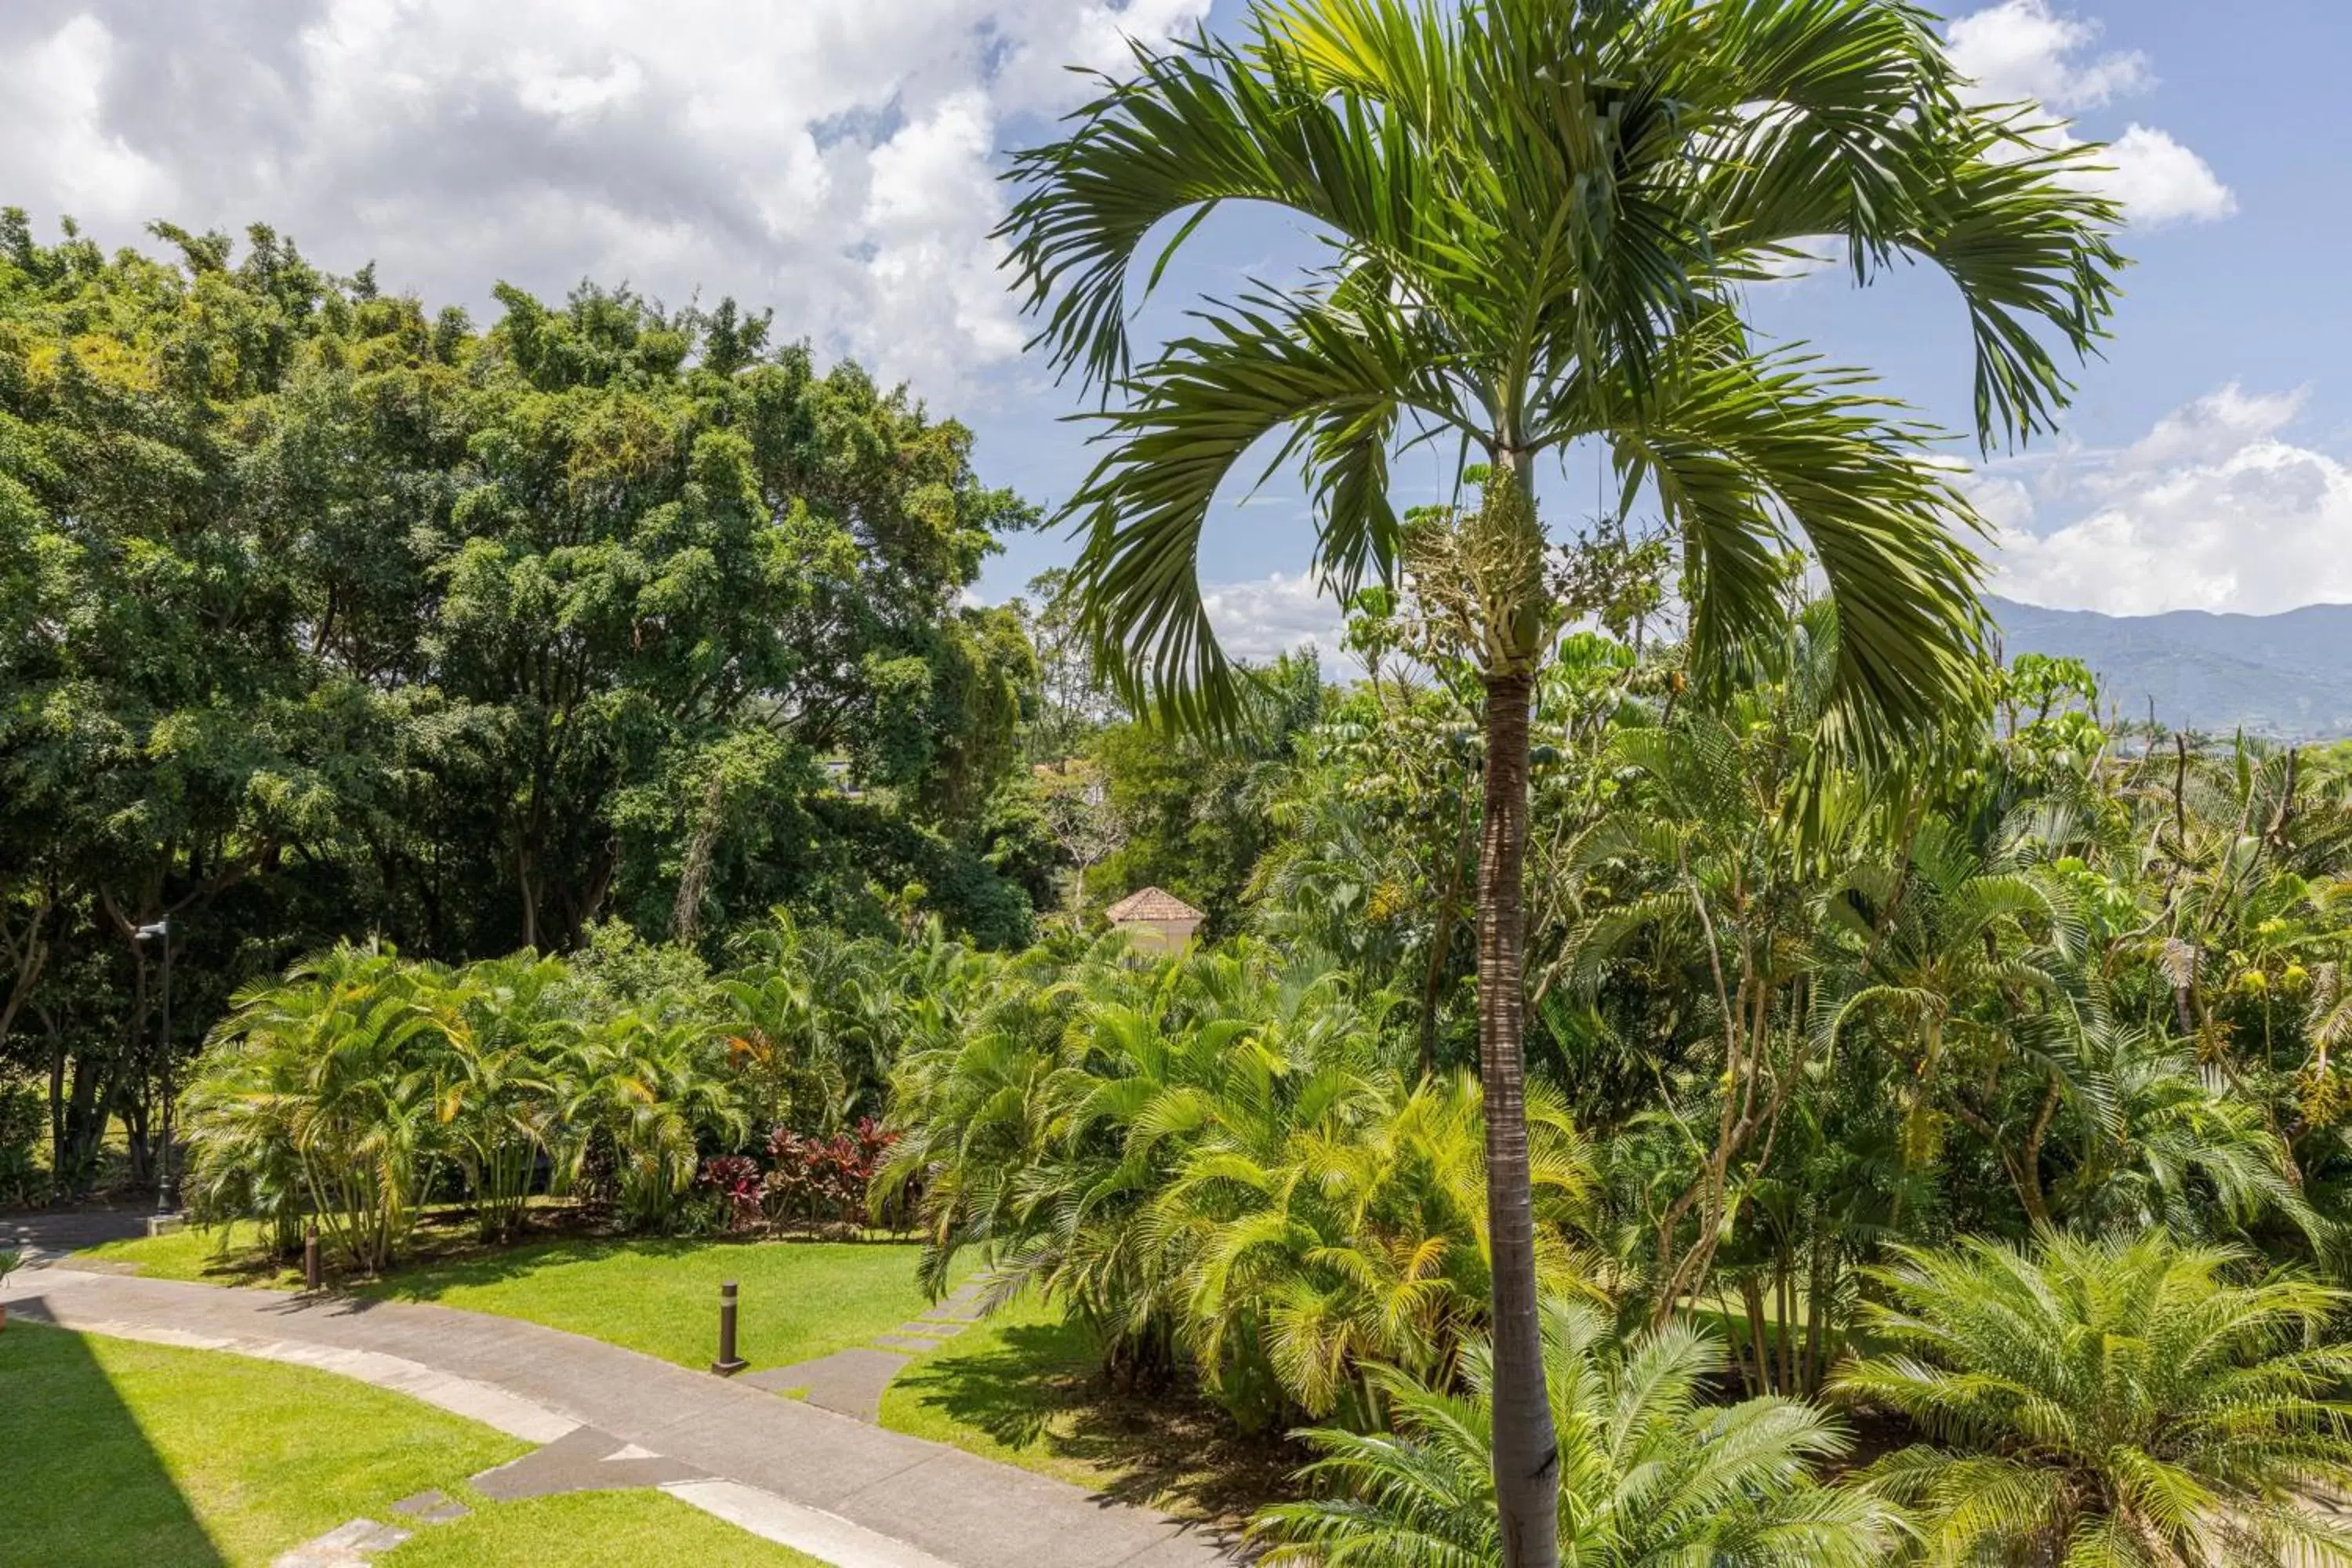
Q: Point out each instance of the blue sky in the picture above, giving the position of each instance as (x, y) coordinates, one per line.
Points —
(835, 159)
(2225, 338)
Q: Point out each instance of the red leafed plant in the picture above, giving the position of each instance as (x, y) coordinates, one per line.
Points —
(814, 1179)
(736, 1179)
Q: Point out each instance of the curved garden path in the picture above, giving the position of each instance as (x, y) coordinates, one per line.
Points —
(849, 1493)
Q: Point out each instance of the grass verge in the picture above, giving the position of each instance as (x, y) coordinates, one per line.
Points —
(592, 1529)
(120, 1452)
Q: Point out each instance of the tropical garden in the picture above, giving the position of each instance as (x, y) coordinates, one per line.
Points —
(1691, 1058)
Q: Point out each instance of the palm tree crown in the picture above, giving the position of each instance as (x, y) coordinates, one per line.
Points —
(1540, 220)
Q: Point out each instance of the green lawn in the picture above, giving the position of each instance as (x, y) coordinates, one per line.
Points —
(593, 1530)
(1024, 1387)
(126, 1453)
(798, 1300)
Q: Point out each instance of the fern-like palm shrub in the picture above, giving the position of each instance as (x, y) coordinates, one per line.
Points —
(2109, 1405)
(316, 1096)
(1216, 1164)
(1650, 1475)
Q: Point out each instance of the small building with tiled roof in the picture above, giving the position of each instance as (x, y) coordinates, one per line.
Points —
(1155, 920)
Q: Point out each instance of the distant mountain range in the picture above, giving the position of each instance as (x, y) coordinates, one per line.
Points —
(2287, 676)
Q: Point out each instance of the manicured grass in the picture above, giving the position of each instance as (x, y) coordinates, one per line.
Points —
(592, 1529)
(1026, 1388)
(197, 1255)
(798, 1299)
(125, 1453)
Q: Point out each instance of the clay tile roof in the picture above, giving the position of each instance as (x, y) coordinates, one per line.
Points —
(1151, 904)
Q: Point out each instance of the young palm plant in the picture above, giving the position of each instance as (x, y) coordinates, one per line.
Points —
(2110, 1404)
(320, 1082)
(1539, 218)
(655, 1088)
(1652, 1476)
(503, 1030)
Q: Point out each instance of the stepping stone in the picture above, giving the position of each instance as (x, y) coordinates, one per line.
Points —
(585, 1460)
(432, 1507)
(847, 1383)
(954, 1311)
(925, 1327)
(910, 1343)
(345, 1546)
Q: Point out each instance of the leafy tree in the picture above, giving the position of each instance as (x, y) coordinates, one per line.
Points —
(322, 615)
(1538, 219)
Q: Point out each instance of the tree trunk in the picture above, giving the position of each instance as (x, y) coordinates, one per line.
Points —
(1527, 1449)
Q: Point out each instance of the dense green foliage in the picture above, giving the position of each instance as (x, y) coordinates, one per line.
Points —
(1657, 1004)
(361, 1085)
(1652, 1474)
(2110, 1403)
(324, 617)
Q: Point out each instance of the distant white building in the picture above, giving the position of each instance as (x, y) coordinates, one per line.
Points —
(1155, 922)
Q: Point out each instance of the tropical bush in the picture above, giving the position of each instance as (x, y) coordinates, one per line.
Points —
(1219, 1162)
(1653, 1474)
(360, 1085)
(2117, 1402)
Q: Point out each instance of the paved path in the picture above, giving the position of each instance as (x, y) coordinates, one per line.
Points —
(889, 1499)
(52, 1231)
(851, 1382)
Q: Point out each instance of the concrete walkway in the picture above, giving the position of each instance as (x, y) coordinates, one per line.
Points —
(851, 1382)
(884, 1498)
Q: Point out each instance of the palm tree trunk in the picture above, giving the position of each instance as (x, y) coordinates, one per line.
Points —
(1527, 1449)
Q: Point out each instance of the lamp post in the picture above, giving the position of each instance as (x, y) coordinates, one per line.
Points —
(161, 931)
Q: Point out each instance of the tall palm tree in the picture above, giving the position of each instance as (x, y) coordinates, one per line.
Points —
(2111, 1403)
(1540, 217)
(1658, 1477)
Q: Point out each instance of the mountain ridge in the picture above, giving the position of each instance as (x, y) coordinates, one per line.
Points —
(2286, 676)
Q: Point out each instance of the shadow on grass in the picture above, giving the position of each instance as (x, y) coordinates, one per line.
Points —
(83, 1487)
(1040, 1387)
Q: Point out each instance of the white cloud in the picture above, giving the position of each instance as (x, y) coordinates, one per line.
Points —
(57, 137)
(834, 158)
(1274, 616)
(2213, 510)
(2023, 50)
(2160, 181)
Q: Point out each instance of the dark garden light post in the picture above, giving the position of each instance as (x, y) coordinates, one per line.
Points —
(161, 931)
(728, 1363)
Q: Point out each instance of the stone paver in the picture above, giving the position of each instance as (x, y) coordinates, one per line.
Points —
(847, 1383)
(432, 1507)
(344, 1546)
(851, 1382)
(584, 1460)
(892, 1500)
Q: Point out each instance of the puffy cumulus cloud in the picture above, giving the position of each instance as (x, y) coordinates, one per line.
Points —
(2215, 509)
(2021, 49)
(2025, 49)
(1274, 616)
(835, 159)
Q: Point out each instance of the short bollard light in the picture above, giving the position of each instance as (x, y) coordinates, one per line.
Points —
(728, 1363)
(313, 1277)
